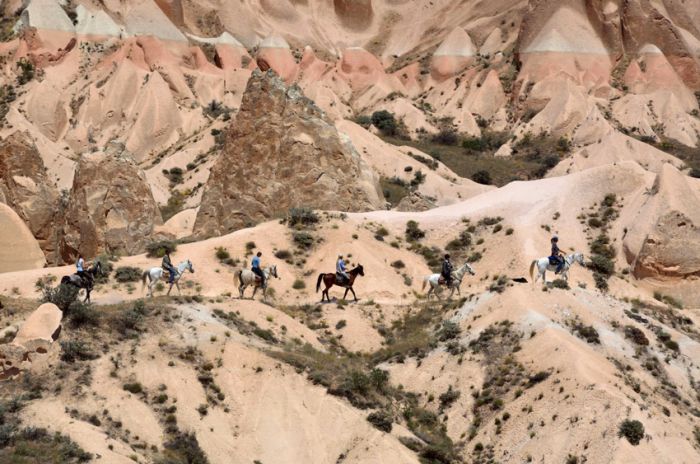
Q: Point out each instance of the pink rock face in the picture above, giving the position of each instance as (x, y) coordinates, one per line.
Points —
(281, 61)
(360, 68)
(40, 329)
(355, 14)
(445, 67)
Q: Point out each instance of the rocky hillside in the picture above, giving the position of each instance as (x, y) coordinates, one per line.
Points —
(389, 131)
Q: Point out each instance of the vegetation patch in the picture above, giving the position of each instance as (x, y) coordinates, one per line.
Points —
(127, 274)
(632, 430)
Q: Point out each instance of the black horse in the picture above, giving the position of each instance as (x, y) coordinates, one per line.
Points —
(87, 284)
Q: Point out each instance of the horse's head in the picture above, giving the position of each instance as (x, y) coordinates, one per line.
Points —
(360, 270)
(469, 269)
(189, 266)
(97, 267)
(578, 257)
(273, 271)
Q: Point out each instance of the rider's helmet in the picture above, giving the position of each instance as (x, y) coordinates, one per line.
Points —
(340, 256)
(447, 256)
(555, 238)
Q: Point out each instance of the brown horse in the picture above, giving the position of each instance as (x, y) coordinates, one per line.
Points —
(330, 279)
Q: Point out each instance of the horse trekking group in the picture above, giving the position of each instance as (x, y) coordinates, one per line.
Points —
(259, 277)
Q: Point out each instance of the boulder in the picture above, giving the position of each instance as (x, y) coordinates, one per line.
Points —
(35, 336)
(19, 250)
(282, 151)
(27, 189)
(111, 207)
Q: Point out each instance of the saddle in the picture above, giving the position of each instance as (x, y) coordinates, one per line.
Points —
(340, 278)
(553, 260)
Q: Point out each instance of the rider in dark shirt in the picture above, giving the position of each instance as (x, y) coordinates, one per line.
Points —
(556, 256)
(447, 270)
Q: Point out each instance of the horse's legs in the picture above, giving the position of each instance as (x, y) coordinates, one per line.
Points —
(169, 290)
(353, 293)
(255, 290)
(346, 292)
(178, 288)
(241, 290)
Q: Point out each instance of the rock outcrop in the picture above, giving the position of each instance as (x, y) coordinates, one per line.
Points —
(111, 208)
(282, 152)
(19, 250)
(35, 336)
(26, 188)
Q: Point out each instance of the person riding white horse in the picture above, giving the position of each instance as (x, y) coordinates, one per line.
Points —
(545, 264)
(456, 276)
(556, 258)
(249, 278)
(257, 270)
(167, 265)
(447, 269)
(155, 274)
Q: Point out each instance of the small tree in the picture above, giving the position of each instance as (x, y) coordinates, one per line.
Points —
(385, 122)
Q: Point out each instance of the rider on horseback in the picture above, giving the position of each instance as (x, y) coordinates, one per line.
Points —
(80, 266)
(257, 270)
(447, 270)
(556, 256)
(340, 271)
(167, 264)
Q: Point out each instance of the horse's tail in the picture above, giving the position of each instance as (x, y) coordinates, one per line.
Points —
(425, 282)
(532, 268)
(318, 282)
(240, 277)
(143, 278)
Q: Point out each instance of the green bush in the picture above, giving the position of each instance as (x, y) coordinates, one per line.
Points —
(283, 254)
(303, 240)
(26, 68)
(633, 430)
(74, 350)
(482, 177)
(413, 232)
(62, 296)
(398, 264)
(158, 249)
(80, 314)
(385, 122)
(127, 274)
(341, 324)
(134, 388)
(602, 265)
(636, 335)
(380, 420)
(222, 253)
(448, 398)
(302, 216)
(561, 283)
(299, 284)
(446, 136)
(184, 448)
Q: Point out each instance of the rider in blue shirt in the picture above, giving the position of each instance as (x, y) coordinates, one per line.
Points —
(340, 269)
(255, 267)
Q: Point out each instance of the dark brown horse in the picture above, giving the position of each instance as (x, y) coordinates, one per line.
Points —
(330, 279)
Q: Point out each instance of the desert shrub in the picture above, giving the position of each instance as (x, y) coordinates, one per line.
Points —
(482, 177)
(449, 397)
(499, 284)
(127, 274)
(632, 430)
(341, 324)
(602, 265)
(380, 420)
(385, 122)
(413, 232)
(62, 296)
(398, 264)
(222, 253)
(462, 242)
(75, 350)
(587, 332)
(299, 284)
(601, 246)
(601, 281)
(303, 240)
(134, 387)
(418, 178)
(129, 320)
(302, 216)
(668, 300)
(448, 331)
(446, 136)
(283, 254)
(265, 334)
(363, 120)
(595, 222)
(636, 335)
(609, 200)
(540, 376)
(158, 249)
(561, 283)
(80, 314)
(26, 71)
(183, 448)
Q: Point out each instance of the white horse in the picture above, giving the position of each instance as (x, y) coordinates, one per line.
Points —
(157, 273)
(457, 276)
(543, 266)
(247, 277)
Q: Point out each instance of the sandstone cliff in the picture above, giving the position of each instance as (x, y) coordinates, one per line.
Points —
(282, 151)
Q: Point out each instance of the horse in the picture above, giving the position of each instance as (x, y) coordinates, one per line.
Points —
(331, 279)
(247, 277)
(543, 265)
(155, 274)
(457, 276)
(77, 281)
